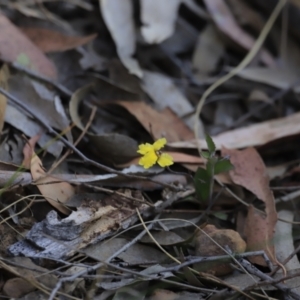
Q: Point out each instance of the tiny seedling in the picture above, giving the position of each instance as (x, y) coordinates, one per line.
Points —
(204, 177)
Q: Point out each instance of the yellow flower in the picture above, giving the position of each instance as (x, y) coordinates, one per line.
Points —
(152, 155)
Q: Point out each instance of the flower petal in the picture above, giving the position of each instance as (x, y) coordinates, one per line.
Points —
(145, 148)
(159, 144)
(148, 160)
(165, 160)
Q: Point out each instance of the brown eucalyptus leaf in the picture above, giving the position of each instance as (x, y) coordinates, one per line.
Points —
(54, 41)
(56, 193)
(16, 47)
(250, 172)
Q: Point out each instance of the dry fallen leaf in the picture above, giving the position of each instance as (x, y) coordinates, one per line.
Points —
(53, 41)
(209, 50)
(227, 24)
(43, 103)
(55, 193)
(16, 47)
(246, 15)
(165, 93)
(254, 135)
(178, 157)
(284, 240)
(281, 78)
(118, 17)
(136, 254)
(162, 90)
(250, 172)
(163, 124)
(159, 19)
(108, 144)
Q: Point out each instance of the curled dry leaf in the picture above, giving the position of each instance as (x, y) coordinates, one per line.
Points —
(55, 193)
(250, 172)
(106, 144)
(205, 246)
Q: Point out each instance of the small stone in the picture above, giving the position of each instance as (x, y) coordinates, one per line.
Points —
(204, 246)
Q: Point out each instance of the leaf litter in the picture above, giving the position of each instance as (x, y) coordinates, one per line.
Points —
(83, 86)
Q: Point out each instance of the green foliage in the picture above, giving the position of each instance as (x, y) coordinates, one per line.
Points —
(223, 165)
(210, 145)
(205, 154)
(202, 183)
(204, 178)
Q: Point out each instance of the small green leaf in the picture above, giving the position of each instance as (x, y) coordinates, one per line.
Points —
(202, 184)
(223, 165)
(210, 144)
(210, 166)
(205, 154)
(221, 215)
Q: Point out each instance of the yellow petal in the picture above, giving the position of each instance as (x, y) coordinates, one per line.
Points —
(165, 160)
(159, 144)
(148, 160)
(145, 148)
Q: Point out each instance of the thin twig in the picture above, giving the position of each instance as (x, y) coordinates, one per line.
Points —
(149, 276)
(195, 260)
(253, 270)
(286, 260)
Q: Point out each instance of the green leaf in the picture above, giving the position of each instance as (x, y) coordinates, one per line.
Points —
(210, 166)
(223, 165)
(202, 184)
(205, 154)
(210, 144)
(221, 215)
